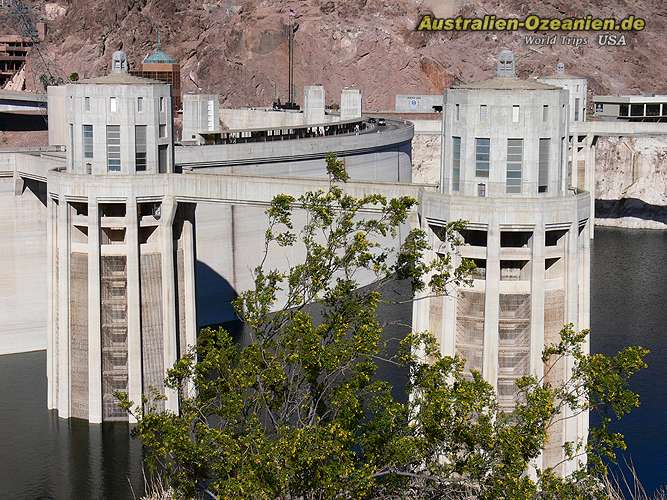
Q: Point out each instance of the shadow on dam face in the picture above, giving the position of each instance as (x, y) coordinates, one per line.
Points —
(17, 122)
(214, 296)
(214, 309)
(630, 207)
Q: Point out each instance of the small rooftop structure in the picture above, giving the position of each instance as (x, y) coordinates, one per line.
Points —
(158, 65)
(560, 74)
(119, 62)
(506, 64)
(506, 78)
(159, 57)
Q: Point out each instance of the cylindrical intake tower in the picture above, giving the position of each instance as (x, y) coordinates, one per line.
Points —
(121, 250)
(504, 173)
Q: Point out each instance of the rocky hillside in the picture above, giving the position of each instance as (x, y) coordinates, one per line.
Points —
(631, 182)
(237, 48)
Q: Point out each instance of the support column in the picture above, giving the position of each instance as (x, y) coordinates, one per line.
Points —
(52, 286)
(537, 314)
(168, 212)
(575, 161)
(591, 184)
(537, 300)
(94, 314)
(448, 341)
(448, 323)
(189, 252)
(134, 376)
(571, 276)
(420, 305)
(63, 308)
(492, 305)
(585, 315)
(571, 316)
(585, 312)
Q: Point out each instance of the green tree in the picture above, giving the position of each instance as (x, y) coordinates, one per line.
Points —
(299, 412)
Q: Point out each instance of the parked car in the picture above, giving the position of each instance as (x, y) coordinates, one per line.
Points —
(372, 120)
(381, 122)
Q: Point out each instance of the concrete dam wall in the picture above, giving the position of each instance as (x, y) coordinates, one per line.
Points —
(23, 280)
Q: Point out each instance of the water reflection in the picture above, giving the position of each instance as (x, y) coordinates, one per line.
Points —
(628, 307)
(44, 456)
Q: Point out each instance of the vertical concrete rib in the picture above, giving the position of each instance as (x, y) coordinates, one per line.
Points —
(491, 305)
(420, 306)
(94, 311)
(448, 329)
(63, 308)
(571, 316)
(584, 312)
(537, 313)
(575, 161)
(134, 374)
(590, 179)
(448, 338)
(167, 215)
(189, 271)
(51, 249)
(537, 300)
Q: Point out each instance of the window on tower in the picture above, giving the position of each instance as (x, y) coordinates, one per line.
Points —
(482, 156)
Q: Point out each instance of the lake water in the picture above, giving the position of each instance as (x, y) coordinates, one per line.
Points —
(629, 307)
(44, 457)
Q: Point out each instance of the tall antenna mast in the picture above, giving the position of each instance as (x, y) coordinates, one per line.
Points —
(292, 27)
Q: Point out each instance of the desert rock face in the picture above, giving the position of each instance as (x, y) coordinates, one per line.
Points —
(631, 182)
(237, 48)
(426, 151)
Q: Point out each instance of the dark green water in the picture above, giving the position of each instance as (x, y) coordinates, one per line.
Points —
(629, 307)
(42, 456)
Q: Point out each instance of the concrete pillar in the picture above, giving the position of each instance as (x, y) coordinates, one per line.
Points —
(584, 312)
(188, 238)
(571, 270)
(19, 185)
(448, 334)
(421, 304)
(492, 305)
(590, 180)
(94, 314)
(575, 160)
(63, 308)
(134, 376)
(571, 316)
(52, 286)
(168, 212)
(350, 104)
(313, 104)
(537, 316)
(537, 300)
